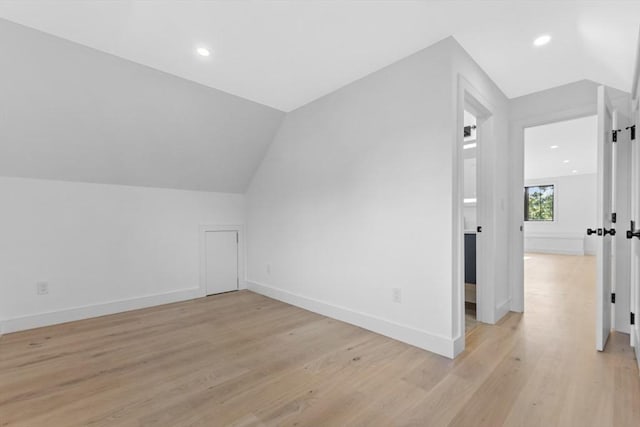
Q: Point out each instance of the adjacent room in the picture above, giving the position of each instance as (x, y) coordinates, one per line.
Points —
(470, 203)
(560, 199)
(560, 178)
(319, 213)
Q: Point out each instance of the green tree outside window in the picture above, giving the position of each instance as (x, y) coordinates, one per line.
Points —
(538, 203)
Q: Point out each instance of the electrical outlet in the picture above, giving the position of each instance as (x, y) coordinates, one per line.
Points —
(269, 269)
(42, 288)
(397, 295)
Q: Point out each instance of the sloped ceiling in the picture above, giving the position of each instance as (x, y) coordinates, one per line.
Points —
(73, 113)
(285, 54)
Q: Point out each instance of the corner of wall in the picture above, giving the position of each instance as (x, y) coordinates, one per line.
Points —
(419, 338)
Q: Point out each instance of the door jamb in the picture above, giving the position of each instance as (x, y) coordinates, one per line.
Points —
(468, 97)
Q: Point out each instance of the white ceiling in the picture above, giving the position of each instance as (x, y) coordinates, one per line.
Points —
(76, 114)
(287, 53)
(576, 141)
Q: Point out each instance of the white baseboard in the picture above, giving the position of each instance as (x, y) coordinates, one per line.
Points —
(458, 345)
(555, 243)
(503, 309)
(553, 251)
(96, 310)
(422, 339)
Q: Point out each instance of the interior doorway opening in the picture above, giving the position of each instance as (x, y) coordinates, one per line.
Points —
(552, 233)
(474, 214)
(559, 205)
(470, 219)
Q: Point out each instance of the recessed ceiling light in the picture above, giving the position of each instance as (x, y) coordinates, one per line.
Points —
(565, 161)
(553, 147)
(202, 51)
(574, 171)
(542, 40)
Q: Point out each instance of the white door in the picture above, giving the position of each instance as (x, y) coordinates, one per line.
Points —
(604, 209)
(634, 230)
(221, 261)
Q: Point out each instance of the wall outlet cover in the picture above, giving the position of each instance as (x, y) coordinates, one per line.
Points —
(42, 288)
(397, 295)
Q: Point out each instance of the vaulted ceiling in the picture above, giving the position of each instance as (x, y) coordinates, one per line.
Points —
(286, 54)
(72, 113)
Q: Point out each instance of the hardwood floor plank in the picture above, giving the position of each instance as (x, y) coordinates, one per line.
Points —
(241, 359)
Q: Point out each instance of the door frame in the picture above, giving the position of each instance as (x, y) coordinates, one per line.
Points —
(634, 257)
(607, 117)
(205, 228)
(472, 100)
(634, 291)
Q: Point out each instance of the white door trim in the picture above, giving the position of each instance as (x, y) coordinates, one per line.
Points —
(242, 283)
(468, 97)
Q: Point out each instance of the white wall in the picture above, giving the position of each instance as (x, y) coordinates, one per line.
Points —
(469, 209)
(354, 199)
(469, 155)
(101, 248)
(574, 212)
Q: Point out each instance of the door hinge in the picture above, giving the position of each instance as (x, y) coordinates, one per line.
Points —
(467, 130)
(238, 238)
(614, 217)
(632, 318)
(632, 132)
(613, 297)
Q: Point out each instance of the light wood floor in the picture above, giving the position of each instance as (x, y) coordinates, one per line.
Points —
(470, 317)
(242, 359)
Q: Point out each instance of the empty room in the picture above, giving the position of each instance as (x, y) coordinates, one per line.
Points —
(319, 213)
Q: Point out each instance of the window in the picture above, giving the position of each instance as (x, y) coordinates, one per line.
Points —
(538, 203)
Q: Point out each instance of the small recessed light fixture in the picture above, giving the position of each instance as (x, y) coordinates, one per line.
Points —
(469, 146)
(542, 40)
(565, 161)
(470, 200)
(553, 147)
(574, 171)
(203, 51)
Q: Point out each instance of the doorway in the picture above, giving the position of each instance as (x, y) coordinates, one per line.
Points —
(475, 209)
(559, 205)
(470, 219)
(546, 230)
(221, 262)
(221, 259)
(475, 238)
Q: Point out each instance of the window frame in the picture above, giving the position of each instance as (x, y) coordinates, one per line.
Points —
(526, 202)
